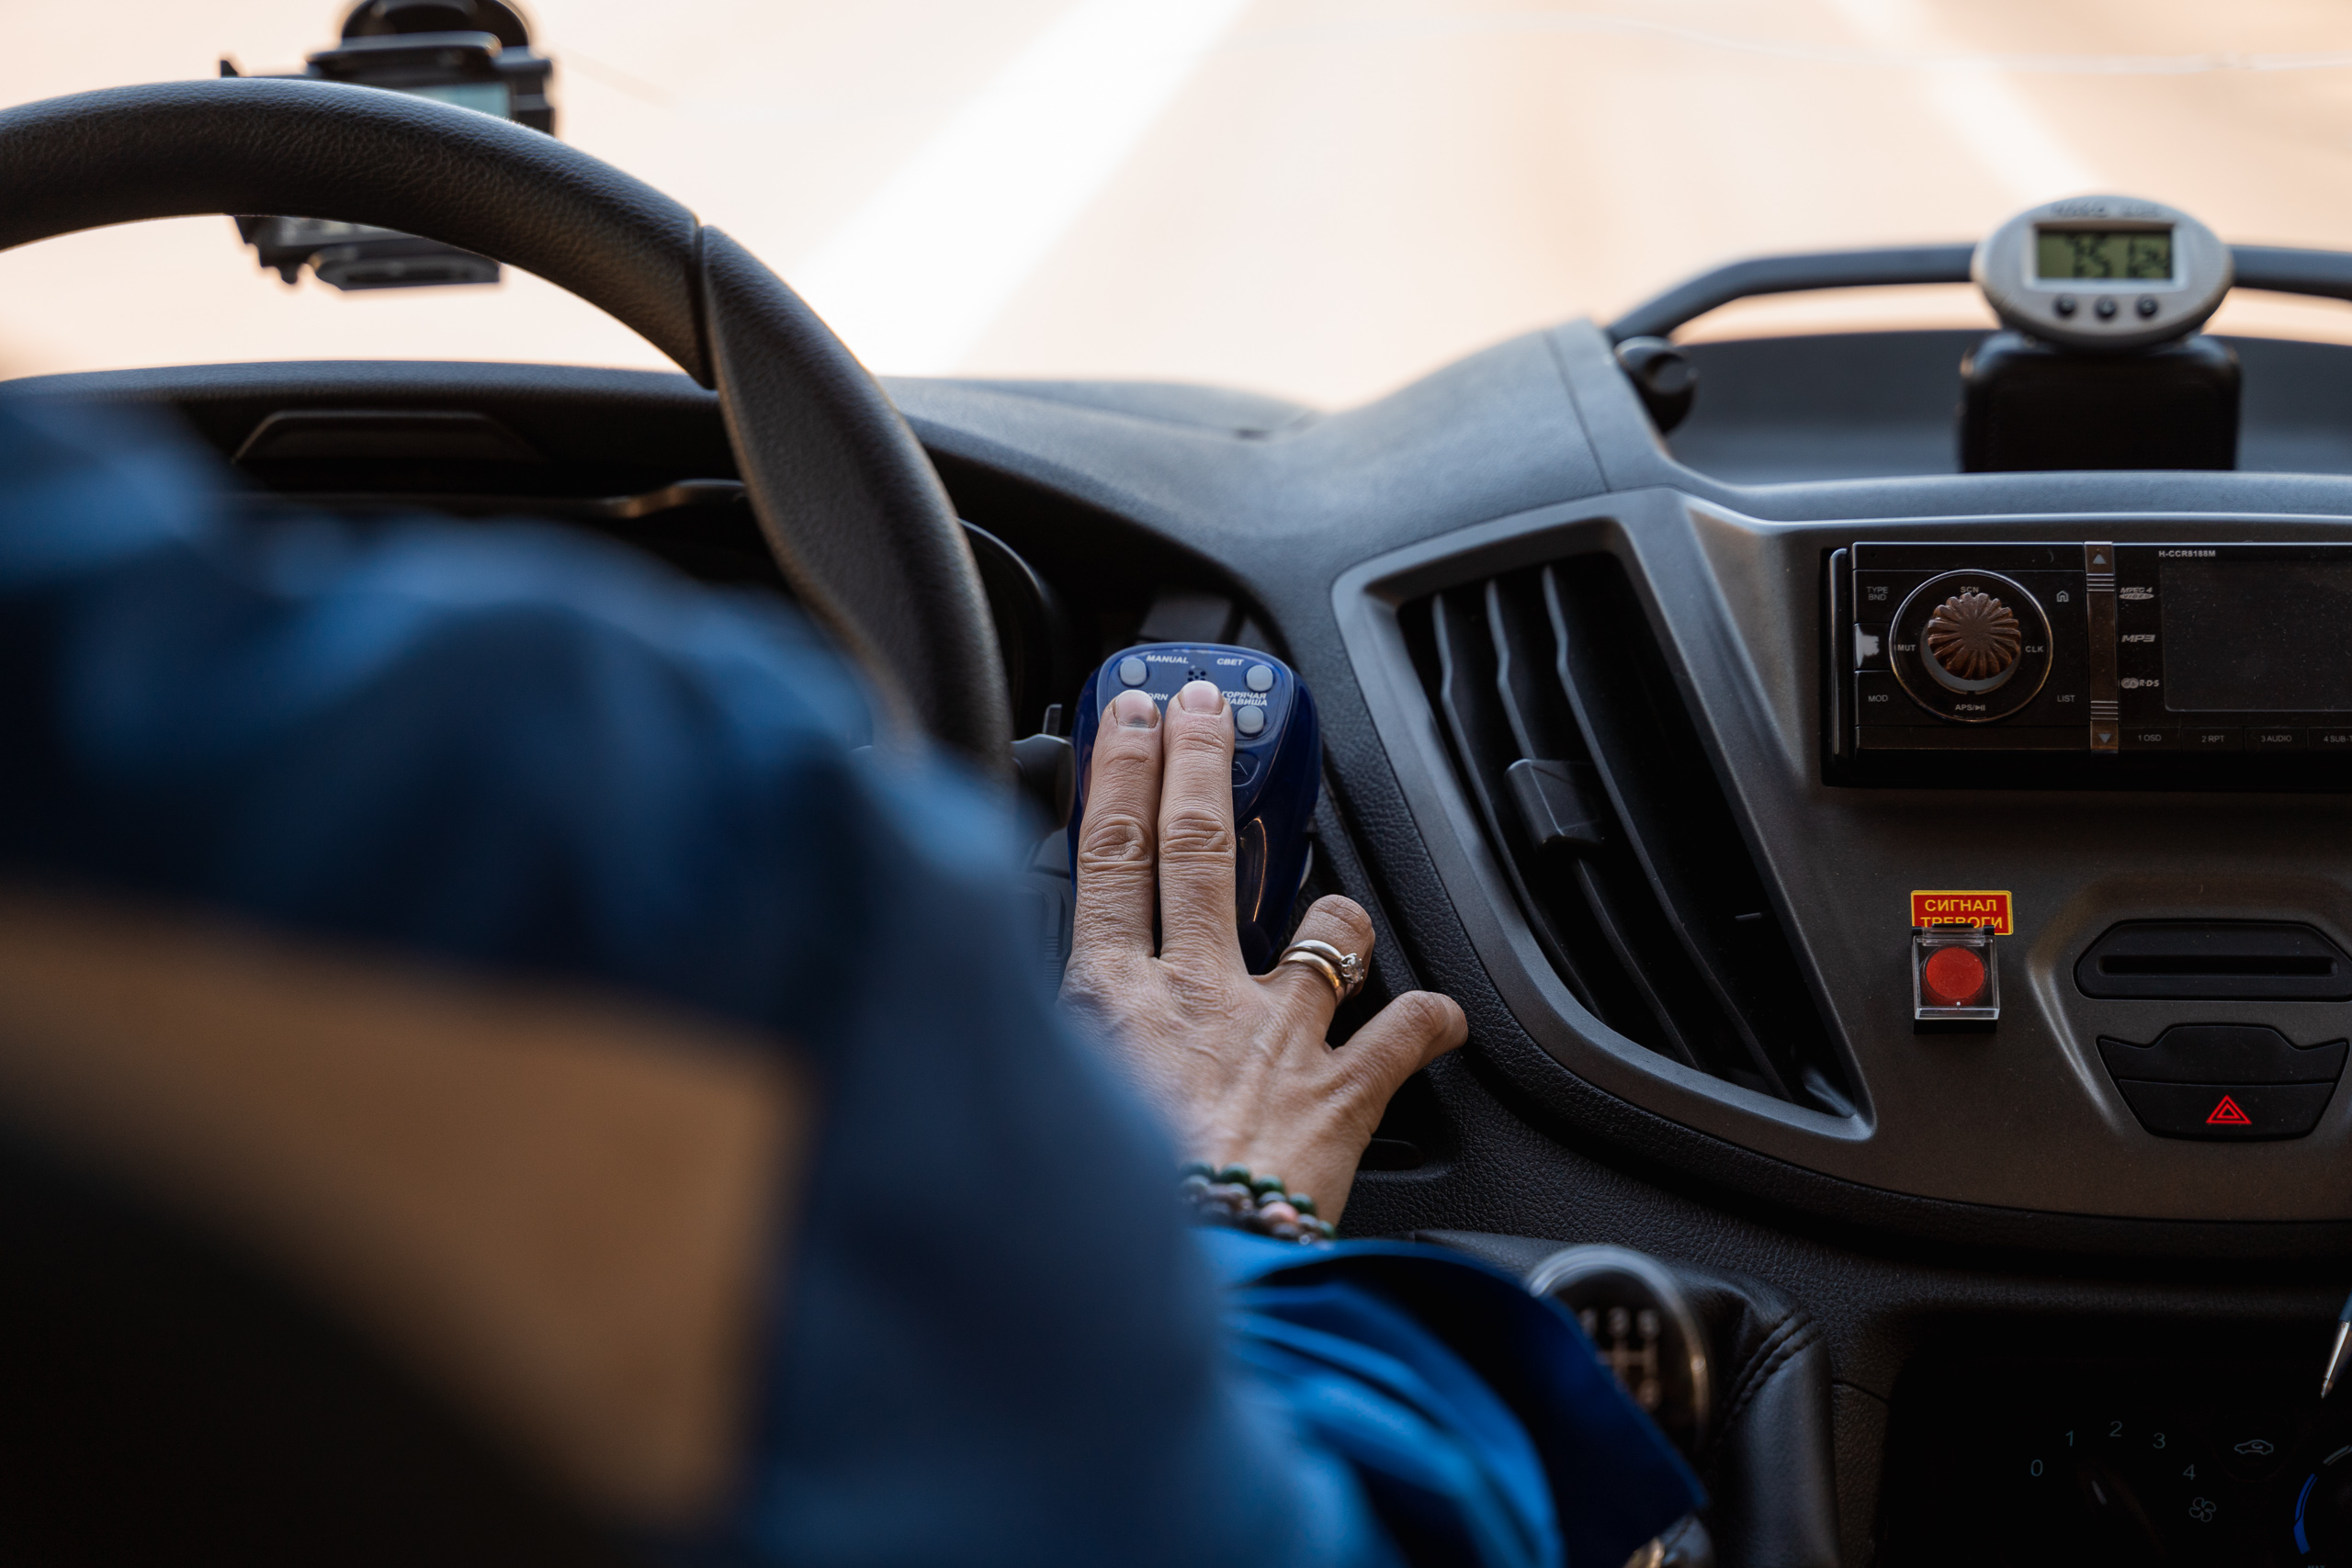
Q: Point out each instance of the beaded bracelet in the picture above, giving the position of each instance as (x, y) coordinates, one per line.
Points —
(1231, 1197)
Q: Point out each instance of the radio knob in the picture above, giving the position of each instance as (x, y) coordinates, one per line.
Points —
(1974, 636)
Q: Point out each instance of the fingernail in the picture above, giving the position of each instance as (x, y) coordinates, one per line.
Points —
(1201, 696)
(1135, 710)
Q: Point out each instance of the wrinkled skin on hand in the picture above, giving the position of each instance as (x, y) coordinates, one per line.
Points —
(1236, 1063)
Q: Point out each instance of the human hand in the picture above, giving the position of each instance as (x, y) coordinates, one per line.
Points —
(1236, 1062)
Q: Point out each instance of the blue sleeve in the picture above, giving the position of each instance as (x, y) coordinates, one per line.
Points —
(518, 749)
(1482, 1424)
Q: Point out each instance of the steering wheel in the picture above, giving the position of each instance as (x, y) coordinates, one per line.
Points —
(851, 506)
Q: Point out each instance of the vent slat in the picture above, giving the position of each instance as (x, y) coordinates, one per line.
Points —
(1602, 805)
(1465, 679)
(1532, 703)
(1664, 1035)
(1465, 664)
(1662, 790)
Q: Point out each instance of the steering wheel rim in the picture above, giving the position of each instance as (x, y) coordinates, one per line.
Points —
(851, 506)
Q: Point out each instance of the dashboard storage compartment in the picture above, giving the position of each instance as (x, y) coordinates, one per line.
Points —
(2215, 960)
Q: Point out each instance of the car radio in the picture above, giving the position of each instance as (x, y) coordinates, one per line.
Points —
(2126, 655)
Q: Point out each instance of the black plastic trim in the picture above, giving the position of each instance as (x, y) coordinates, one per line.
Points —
(1693, 297)
(2282, 269)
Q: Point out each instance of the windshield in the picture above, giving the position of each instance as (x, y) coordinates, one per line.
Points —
(1319, 198)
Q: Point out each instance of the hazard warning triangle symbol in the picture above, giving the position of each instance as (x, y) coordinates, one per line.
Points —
(2227, 1114)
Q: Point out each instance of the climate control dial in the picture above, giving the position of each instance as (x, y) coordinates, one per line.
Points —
(1970, 646)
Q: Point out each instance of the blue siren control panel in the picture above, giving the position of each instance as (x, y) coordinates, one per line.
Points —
(1277, 768)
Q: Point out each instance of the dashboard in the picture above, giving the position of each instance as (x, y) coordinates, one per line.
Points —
(1633, 747)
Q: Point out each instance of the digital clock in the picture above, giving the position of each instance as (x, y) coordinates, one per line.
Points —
(2104, 255)
(2103, 273)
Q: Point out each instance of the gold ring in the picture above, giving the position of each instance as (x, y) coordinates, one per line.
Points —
(1344, 970)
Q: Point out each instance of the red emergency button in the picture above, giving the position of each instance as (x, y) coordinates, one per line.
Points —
(1953, 982)
(1951, 977)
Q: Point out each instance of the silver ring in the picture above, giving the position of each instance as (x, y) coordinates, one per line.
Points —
(1344, 970)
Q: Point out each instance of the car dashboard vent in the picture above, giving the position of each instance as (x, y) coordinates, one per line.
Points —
(1569, 735)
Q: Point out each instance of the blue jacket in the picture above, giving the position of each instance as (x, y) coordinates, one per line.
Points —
(519, 749)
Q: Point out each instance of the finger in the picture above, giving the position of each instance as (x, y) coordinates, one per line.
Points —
(1196, 918)
(1402, 1038)
(1305, 995)
(1112, 917)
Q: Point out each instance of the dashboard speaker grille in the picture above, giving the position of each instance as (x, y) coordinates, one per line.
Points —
(1570, 737)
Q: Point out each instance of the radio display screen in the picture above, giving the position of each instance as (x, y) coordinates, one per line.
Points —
(2131, 254)
(2253, 635)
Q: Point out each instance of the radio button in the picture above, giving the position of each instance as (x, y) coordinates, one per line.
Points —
(1876, 594)
(2145, 737)
(1972, 638)
(1880, 700)
(2273, 737)
(2221, 738)
(1870, 648)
